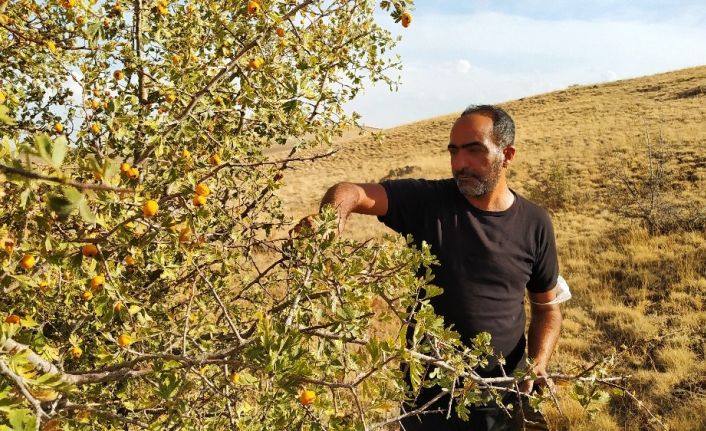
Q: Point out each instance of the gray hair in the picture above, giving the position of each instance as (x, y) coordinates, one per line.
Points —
(503, 126)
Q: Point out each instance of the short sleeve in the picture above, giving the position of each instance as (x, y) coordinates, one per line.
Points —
(406, 200)
(545, 269)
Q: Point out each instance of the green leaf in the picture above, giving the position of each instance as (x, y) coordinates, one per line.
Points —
(59, 150)
(60, 205)
(85, 211)
(42, 144)
(21, 420)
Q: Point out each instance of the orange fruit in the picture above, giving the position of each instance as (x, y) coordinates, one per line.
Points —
(118, 307)
(124, 168)
(176, 60)
(406, 19)
(97, 282)
(133, 173)
(202, 189)
(89, 250)
(256, 63)
(124, 340)
(76, 352)
(95, 128)
(307, 397)
(253, 7)
(215, 160)
(119, 74)
(58, 127)
(80, 20)
(280, 32)
(27, 261)
(199, 200)
(129, 260)
(234, 377)
(13, 319)
(87, 295)
(149, 208)
(170, 98)
(95, 103)
(9, 246)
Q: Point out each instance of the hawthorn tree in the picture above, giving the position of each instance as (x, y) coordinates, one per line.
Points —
(148, 277)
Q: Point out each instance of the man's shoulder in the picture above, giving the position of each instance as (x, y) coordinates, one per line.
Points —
(533, 211)
(420, 185)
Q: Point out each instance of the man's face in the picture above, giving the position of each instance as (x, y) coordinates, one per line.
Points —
(476, 162)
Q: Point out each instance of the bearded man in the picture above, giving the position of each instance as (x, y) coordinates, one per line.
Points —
(493, 245)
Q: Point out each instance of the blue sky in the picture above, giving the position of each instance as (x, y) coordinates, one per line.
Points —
(458, 52)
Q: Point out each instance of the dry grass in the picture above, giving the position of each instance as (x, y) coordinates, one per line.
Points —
(640, 294)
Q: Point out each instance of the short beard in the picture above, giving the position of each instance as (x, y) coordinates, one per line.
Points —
(472, 185)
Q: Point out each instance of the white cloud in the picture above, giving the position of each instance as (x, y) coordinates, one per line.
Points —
(463, 67)
(504, 57)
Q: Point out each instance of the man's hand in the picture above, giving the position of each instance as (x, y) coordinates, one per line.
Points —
(527, 386)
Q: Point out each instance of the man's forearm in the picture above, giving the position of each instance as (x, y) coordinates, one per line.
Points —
(344, 198)
(544, 330)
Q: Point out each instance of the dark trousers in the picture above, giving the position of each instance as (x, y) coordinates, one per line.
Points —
(485, 418)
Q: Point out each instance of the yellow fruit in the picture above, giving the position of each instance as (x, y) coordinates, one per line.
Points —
(68, 4)
(149, 209)
(184, 234)
(97, 282)
(170, 98)
(129, 260)
(87, 295)
(95, 103)
(118, 307)
(406, 19)
(119, 74)
(95, 128)
(13, 319)
(202, 189)
(51, 46)
(76, 352)
(58, 127)
(199, 200)
(253, 7)
(256, 63)
(9, 246)
(215, 160)
(162, 10)
(124, 168)
(89, 250)
(133, 173)
(280, 32)
(124, 340)
(27, 261)
(235, 377)
(307, 397)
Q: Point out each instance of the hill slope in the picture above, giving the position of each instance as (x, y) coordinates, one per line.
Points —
(640, 293)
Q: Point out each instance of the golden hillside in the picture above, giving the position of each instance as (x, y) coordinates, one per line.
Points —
(639, 293)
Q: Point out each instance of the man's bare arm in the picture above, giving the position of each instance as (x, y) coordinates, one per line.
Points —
(544, 330)
(347, 198)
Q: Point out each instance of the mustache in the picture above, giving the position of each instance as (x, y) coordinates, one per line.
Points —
(466, 173)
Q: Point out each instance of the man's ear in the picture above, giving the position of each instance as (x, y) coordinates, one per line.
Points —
(508, 155)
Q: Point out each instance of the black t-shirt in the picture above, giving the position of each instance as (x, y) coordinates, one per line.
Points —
(487, 259)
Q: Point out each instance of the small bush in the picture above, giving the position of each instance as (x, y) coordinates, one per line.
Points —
(554, 189)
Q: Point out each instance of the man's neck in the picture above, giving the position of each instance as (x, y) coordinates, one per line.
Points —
(499, 199)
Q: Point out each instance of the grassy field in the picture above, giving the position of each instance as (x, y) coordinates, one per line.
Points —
(638, 292)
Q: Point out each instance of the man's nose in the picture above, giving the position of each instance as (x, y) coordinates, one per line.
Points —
(458, 162)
